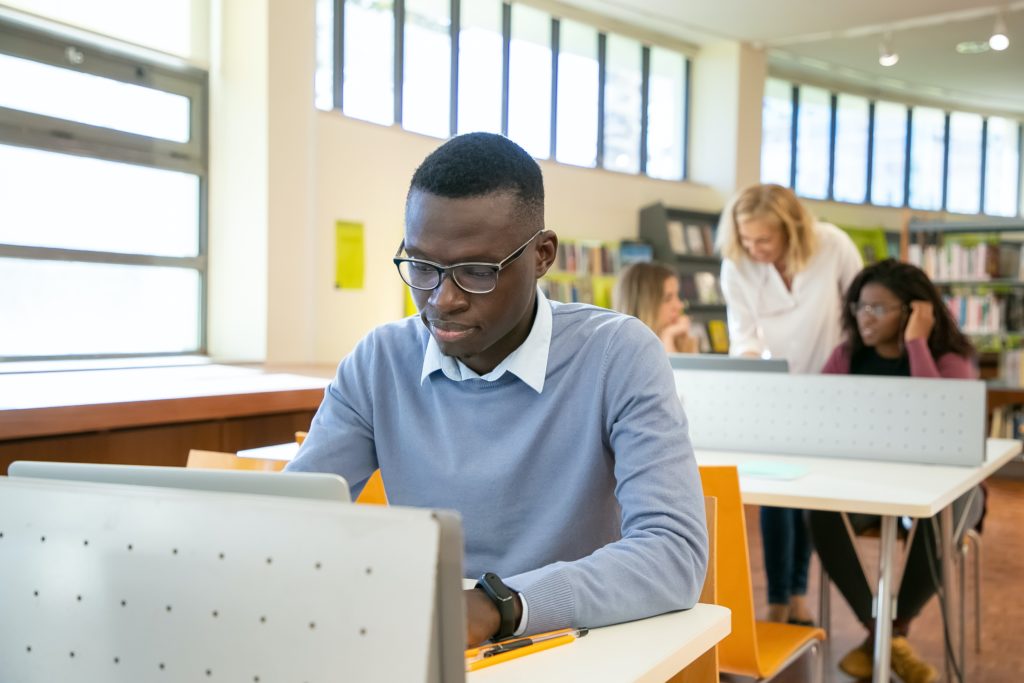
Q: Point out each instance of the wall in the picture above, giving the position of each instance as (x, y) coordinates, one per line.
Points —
(362, 174)
(283, 173)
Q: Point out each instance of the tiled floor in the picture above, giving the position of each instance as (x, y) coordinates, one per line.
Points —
(1002, 656)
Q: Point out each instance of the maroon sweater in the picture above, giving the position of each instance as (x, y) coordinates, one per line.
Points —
(922, 364)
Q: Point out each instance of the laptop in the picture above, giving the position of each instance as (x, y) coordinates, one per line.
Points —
(704, 361)
(311, 485)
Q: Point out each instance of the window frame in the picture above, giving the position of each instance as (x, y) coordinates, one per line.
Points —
(338, 38)
(105, 58)
(872, 100)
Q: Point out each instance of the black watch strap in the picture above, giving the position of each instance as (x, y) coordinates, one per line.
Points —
(504, 599)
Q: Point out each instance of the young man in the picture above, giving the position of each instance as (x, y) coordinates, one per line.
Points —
(553, 429)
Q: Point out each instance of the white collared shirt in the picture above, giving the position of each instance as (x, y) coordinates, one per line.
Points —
(529, 362)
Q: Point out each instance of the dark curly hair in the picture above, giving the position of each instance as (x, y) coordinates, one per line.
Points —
(478, 164)
(908, 283)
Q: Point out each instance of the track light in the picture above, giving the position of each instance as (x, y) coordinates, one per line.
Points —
(998, 40)
(886, 56)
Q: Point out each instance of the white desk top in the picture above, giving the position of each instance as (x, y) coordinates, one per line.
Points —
(868, 486)
(652, 650)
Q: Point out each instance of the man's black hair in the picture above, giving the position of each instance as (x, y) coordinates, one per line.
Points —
(478, 164)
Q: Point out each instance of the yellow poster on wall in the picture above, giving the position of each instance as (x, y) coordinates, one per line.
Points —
(410, 305)
(349, 261)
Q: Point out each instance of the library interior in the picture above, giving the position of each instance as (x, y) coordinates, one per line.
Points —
(700, 358)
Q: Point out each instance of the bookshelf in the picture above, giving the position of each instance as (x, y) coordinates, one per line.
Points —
(685, 240)
(978, 266)
(585, 270)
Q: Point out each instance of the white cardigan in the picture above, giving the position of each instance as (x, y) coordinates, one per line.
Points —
(802, 325)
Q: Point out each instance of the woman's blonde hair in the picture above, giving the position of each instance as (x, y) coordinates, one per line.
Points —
(639, 290)
(779, 205)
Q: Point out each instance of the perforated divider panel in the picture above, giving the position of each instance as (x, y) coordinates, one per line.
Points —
(882, 418)
(102, 583)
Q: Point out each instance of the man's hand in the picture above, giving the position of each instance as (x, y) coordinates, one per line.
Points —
(482, 617)
(921, 322)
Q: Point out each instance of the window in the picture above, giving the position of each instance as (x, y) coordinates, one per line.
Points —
(323, 80)
(927, 165)
(963, 189)
(1002, 167)
(529, 84)
(102, 186)
(369, 80)
(954, 162)
(814, 129)
(666, 114)
(426, 79)
(509, 59)
(578, 79)
(850, 183)
(889, 154)
(777, 132)
(622, 104)
(480, 65)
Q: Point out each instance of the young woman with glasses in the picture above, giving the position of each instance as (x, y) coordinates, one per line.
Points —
(896, 324)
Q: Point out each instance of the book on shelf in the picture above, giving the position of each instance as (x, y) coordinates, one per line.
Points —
(708, 289)
(695, 240)
(976, 313)
(687, 287)
(963, 257)
(677, 237)
(634, 252)
(718, 332)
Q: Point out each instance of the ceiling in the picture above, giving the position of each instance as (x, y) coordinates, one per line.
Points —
(839, 42)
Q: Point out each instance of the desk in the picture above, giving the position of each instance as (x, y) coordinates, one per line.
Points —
(650, 650)
(152, 415)
(889, 489)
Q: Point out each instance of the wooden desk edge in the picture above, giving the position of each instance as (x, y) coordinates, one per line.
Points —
(37, 422)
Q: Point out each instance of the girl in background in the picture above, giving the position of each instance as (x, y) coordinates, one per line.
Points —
(896, 324)
(784, 275)
(650, 292)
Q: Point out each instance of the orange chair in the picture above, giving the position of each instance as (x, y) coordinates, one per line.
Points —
(373, 493)
(229, 461)
(760, 649)
(704, 669)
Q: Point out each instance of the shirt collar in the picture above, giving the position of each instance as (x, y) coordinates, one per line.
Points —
(529, 362)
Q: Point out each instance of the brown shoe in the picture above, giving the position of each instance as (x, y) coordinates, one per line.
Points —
(857, 662)
(908, 665)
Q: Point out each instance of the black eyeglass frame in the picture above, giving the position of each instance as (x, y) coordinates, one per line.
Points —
(442, 271)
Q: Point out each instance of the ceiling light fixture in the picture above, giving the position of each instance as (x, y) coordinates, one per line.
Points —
(886, 56)
(998, 40)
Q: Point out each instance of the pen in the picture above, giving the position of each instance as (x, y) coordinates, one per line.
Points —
(475, 651)
(481, 657)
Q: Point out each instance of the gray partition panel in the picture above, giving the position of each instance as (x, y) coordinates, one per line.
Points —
(933, 421)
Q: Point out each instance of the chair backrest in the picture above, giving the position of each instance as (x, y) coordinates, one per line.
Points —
(373, 493)
(229, 461)
(738, 653)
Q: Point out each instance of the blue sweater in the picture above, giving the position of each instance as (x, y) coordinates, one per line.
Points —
(585, 497)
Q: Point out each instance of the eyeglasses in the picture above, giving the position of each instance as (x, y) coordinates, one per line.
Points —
(876, 310)
(473, 278)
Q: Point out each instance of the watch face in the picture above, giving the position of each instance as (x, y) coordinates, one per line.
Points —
(495, 586)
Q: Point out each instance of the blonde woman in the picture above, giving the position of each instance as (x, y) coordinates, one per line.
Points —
(784, 276)
(650, 292)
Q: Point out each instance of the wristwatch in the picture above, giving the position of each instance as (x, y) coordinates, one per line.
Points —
(504, 599)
